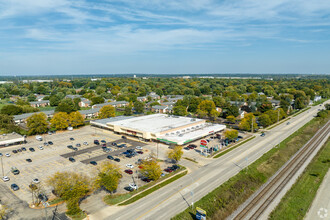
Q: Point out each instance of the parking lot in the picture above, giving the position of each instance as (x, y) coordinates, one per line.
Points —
(55, 158)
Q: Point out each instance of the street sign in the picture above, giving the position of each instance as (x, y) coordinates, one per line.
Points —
(203, 142)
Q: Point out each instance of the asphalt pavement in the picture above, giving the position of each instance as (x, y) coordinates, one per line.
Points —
(177, 196)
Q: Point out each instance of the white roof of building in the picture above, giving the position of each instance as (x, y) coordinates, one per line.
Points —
(155, 123)
(191, 134)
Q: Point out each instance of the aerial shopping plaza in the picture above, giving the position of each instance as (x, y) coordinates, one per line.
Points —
(160, 127)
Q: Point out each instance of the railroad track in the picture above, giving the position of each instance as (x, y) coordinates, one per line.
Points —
(259, 203)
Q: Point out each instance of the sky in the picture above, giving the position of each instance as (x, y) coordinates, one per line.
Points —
(164, 36)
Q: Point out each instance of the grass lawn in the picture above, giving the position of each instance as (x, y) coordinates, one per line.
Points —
(79, 216)
(296, 202)
(47, 108)
(118, 198)
(319, 102)
(156, 187)
(226, 198)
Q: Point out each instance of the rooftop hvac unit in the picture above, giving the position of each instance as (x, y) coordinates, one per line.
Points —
(183, 130)
(167, 134)
(180, 135)
(178, 132)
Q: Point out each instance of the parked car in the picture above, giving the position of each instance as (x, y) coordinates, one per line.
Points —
(15, 171)
(5, 178)
(23, 149)
(1, 154)
(138, 148)
(186, 148)
(117, 159)
(168, 170)
(19, 150)
(29, 160)
(139, 152)
(175, 167)
(133, 185)
(129, 171)
(72, 159)
(46, 143)
(70, 146)
(50, 142)
(36, 180)
(114, 144)
(145, 179)
(75, 149)
(43, 197)
(123, 137)
(96, 142)
(262, 134)
(71, 139)
(78, 145)
(129, 166)
(93, 163)
(15, 151)
(85, 143)
(8, 155)
(31, 149)
(128, 188)
(14, 187)
(110, 157)
(41, 148)
(103, 141)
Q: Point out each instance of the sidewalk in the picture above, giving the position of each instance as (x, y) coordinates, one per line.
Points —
(320, 208)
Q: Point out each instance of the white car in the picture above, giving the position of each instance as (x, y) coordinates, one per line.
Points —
(8, 155)
(139, 148)
(129, 166)
(41, 148)
(85, 143)
(134, 186)
(5, 178)
(36, 180)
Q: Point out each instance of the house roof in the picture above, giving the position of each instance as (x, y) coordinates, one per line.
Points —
(159, 107)
(40, 102)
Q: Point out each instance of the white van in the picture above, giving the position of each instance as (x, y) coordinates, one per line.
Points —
(39, 138)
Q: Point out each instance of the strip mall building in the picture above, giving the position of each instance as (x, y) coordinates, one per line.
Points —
(165, 128)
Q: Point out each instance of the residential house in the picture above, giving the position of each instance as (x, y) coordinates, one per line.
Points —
(142, 98)
(18, 119)
(153, 96)
(317, 98)
(241, 114)
(84, 102)
(42, 103)
(90, 113)
(40, 97)
(160, 109)
(72, 96)
(116, 104)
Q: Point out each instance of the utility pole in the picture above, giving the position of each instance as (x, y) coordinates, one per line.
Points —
(252, 124)
(3, 172)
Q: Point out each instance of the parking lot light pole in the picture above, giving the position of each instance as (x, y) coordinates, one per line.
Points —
(192, 192)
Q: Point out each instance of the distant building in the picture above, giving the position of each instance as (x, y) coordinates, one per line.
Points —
(37, 80)
(85, 103)
(42, 103)
(5, 82)
(317, 98)
(11, 139)
(114, 104)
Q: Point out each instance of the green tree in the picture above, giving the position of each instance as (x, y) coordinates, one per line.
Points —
(151, 169)
(231, 134)
(71, 187)
(64, 107)
(37, 123)
(139, 106)
(3, 211)
(31, 98)
(108, 176)
(179, 110)
(60, 121)
(76, 103)
(206, 106)
(231, 118)
(128, 110)
(22, 102)
(97, 100)
(107, 111)
(264, 120)
(175, 154)
(11, 110)
(54, 100)
(76, 119)
(246, 122)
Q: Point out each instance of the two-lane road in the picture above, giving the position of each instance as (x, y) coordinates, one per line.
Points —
(177, 196)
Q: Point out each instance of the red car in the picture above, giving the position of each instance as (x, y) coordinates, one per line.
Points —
(145, 179)
(168, 170)
(129, 171)
(140, 167)
(139, 152)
